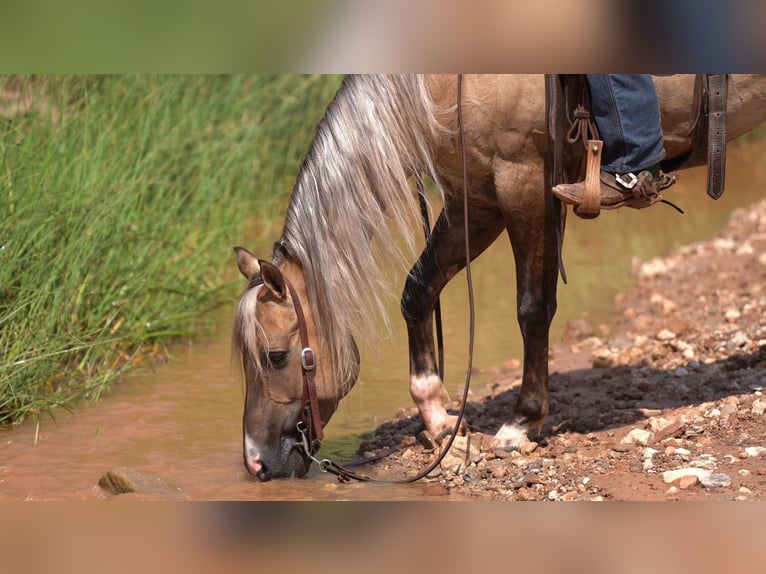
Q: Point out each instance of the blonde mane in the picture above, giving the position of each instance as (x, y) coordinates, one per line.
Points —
(354, 185)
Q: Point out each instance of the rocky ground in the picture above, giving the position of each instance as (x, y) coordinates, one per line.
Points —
(665, 404)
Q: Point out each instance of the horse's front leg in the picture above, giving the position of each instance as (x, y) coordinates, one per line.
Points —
(533, 230)
(442, 258)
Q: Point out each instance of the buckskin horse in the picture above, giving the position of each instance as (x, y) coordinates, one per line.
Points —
(302, 310)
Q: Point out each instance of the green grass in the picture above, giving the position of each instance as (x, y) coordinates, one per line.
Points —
(120, 199)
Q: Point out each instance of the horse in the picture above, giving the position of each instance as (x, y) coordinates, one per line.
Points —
(353, 197)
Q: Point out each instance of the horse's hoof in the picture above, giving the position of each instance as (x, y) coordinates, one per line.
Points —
(511, 436)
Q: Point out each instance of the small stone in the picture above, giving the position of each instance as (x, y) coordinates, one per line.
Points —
(732, 315)
(670, 476)
(125, 480)
(577, 330)
(665, 335)
(755, 451)
(553, 495)
(653, 268)
(728, 409)
(528, 448)
(427, 440)
(738, 341)
(722, 244)
(716, 480)
(686, 482)
(435, 490)
(638, 436)
(461, 453)
(758, 407)
(603, 359)
(743, 472)
(744, 490)
(680, 372)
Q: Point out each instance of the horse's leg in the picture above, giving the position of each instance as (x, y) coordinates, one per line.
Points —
(531, 222)
(442, 258)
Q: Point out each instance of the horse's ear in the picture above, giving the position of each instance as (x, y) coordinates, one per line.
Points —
(247, 262)
(273, 279)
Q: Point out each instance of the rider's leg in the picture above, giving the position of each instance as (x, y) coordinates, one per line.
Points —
(626, 111)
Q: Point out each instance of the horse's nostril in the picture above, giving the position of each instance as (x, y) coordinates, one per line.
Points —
(263, 474)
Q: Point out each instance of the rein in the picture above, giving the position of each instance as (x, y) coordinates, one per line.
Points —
(310, 425)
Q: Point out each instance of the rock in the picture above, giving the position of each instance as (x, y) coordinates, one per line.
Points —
(755, 451)
(732, 315)
(638, 436)
(577, 330)
(662, 304)
(461, 453)
(716, 480)
(686, 482)
(665, 429)
(435, 490)
(665, 335)
(728, 409)
(652, 268)
(603, 359)
(528, 448)
(758, 407)
(670, 476)
(738, 341)
(680, 372)
(125, 480)
(427, 440)
(723, 244)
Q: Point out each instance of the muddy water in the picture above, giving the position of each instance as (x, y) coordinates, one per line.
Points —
(181, 423)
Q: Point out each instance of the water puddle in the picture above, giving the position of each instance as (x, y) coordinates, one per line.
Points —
(182, 422)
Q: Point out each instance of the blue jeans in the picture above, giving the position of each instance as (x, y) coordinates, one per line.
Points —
(627, 113)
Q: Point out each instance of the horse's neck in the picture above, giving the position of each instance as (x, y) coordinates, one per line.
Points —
(746, 108)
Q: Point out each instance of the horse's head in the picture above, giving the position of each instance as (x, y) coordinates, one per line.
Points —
(267, 337)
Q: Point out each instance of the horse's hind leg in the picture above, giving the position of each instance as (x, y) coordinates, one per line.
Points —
(442, 258)
(532, 228)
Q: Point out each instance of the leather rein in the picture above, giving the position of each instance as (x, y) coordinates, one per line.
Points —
(309, 426)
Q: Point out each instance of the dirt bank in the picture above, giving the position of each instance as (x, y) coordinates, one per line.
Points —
(665, 404)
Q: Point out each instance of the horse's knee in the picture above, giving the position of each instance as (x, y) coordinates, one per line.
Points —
(414, 306)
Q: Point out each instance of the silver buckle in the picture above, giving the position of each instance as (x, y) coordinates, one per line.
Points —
(310, 364)
(626, 180)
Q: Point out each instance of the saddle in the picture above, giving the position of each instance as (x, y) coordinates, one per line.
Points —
(568, 119)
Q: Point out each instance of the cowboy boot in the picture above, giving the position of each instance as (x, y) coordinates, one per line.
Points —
(618, 190)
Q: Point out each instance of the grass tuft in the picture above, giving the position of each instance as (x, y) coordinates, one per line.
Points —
(120, 199)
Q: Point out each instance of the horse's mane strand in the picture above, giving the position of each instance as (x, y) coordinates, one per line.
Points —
(355, 184)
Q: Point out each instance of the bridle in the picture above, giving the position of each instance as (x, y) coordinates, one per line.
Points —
(309, 425)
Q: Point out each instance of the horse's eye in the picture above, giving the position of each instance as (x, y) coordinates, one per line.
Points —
(278, 359)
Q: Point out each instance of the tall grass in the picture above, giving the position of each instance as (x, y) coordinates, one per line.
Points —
(120, 198)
